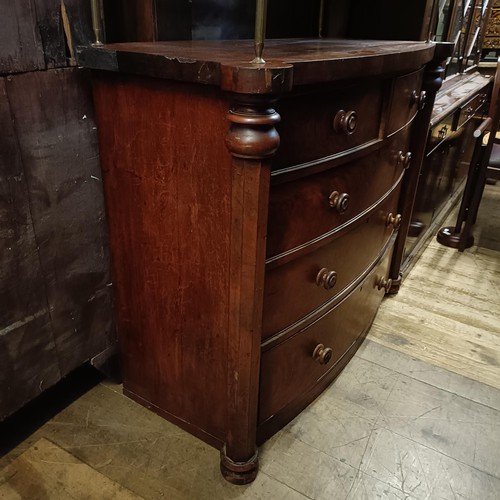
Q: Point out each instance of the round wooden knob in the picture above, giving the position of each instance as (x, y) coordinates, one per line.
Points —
(404, 158)
(418, 99)
(345, 121)
(393, 220)
(339, 201)
(422, 98)
(326, 278)
(322, 354)
(385, 283)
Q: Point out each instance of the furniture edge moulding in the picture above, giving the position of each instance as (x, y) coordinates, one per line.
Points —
(433, 79)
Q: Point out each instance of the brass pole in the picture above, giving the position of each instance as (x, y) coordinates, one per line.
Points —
(260, 30)
(321, 18)
(433, 19)
(96, 9)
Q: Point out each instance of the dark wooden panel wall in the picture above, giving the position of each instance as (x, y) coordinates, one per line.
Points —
(55, 285)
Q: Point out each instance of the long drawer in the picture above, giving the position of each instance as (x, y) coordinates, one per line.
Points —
(291, 368)
(339, 119)
(302, 210)
(302, 285)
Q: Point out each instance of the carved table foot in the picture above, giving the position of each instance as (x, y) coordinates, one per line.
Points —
(448, 237)
(239, 472)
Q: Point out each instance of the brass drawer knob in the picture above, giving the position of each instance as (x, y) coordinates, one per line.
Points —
(339, 201)
(442, 132)
(322, 354)
(345, 121)
(393, 220)
(404, 159)
(385, 283)
(418, 99)
(326, 278)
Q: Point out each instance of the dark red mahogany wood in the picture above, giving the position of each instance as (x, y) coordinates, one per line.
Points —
(188, 132)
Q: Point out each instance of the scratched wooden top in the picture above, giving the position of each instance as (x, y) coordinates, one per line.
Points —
(456, 91)
(289, 63)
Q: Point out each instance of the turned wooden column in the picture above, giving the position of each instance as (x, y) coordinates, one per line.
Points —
(252, 140)
(433, 80)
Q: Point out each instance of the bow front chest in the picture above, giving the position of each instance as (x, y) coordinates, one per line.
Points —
(252, 213)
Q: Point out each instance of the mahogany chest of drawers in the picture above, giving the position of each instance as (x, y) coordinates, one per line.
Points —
(252, 215)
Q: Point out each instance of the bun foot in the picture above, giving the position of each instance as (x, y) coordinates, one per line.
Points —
(238, 472)
(449, 238)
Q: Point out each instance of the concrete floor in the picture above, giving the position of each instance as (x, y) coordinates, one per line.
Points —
(398, 423)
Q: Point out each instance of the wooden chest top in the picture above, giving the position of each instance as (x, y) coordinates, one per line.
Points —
(289, 63)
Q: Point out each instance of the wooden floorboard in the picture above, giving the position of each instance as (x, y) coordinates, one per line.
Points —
(447, 312)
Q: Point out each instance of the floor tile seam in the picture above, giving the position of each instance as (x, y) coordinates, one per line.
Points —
(118, 393)
(389, 485)
(435, 386)
(345, 464)
(364, 473)
(356, 477)
(441, 453)
(376, 477)
(381, 415)
(317, 413)
(429, 488)
(274, 478)
(359, 471)
(309, 445)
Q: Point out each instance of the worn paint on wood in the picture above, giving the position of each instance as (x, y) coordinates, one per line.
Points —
(28, 356)
(33, 36)
(78, 26)
(54, 276)
(21, 46)
(53, 115)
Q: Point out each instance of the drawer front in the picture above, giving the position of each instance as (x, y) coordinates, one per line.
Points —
(311, 127)
(296, 289)
(302, 210)
(467, 111)
(439, 133)
(406, 100)
(288, 370)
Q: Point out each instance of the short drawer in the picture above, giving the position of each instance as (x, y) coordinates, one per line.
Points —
(467, 110)
(327, 122)
(440, 132)
(293, 367)
(407, 99)
(304, 285)
(303, 210)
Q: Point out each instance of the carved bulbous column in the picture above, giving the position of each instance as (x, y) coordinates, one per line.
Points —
(252, 140)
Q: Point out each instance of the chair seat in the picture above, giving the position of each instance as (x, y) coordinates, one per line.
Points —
(495, 156)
